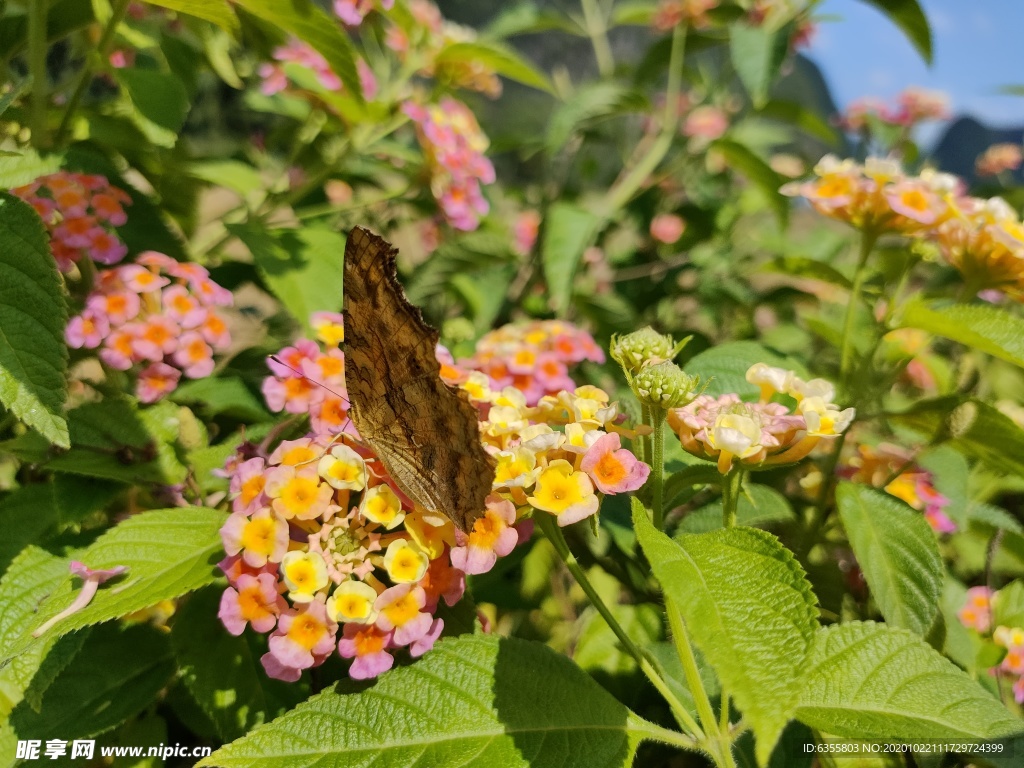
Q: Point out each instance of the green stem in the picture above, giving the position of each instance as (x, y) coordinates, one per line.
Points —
(120, 7)
(37, 70)
(717, 741)
(624, 189)
(658, 466)
(867, 243)
(597, 29)
(549, 526)
(672, 738)
(731, 496)
(820, 512)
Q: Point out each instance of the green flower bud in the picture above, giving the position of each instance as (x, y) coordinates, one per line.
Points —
(665, 385)
(645, 347)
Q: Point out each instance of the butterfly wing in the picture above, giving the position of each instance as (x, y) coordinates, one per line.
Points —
(425, 433)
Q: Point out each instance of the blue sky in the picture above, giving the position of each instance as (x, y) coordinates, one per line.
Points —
(978, 47)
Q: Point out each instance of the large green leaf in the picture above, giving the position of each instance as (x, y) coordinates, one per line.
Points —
(26, 515)
(589, 102)
(988, 329)
(741, 158)
(33, 356)
(757, 54)
(973, 427)
(218, 667)
(478, 700)
(312, 25)
(758, 505)
(568, 230)
(748, 607)
(117, 674)
(217, 11)
(161, 101)
(898, 553)
(222, 396)
(803, 118)
(869, 681)
(27, 166)
(909, 17)
(723, 368)
(303, 268)
(168, 552)
(497, 56)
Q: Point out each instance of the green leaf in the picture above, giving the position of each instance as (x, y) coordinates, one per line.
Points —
(497, 56)
(26, 167)
(807, 120)
(589, 102)
(757, 54)
(950, 476)
(222, 396)
(116, 440)
(116, 675)
(747, 606)
(33, 312)
(1008, 606)
(989, 329)
(26, 515)
(303, 268)
(217, 11)
(161, 101)
(804, 267)
(568, 230)
(314, 26)
(217, 667)
(33, 575)
(898, 553)
(690, 477)
(724, 367)
(910, 18)
(168, 552)
(742, 159)
(869, 681)
(758, 505)
(972, 427)
(477, 700)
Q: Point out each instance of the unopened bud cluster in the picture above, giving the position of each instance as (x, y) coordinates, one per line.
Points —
(642, 348)
(665, 385)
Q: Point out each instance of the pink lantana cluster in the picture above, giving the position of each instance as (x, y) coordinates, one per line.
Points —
(275, 77)
(671, 13)
(913, 106)
(766, 433)
(533, 357)
(914, 485)
(427, 37)
(311, 377)
(982, 238)
(325, 553)
(158, 314)
(352, 12)
(454, 147)
(977, 614)
(999, 158)
(80, 211)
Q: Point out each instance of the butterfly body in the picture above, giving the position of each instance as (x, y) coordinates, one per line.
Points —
(425, 433)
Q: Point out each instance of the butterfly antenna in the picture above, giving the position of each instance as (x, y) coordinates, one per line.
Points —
(311, 380)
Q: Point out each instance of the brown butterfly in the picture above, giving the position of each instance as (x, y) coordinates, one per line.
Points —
(425, 433)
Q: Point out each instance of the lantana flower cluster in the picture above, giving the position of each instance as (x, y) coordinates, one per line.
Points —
(982, 238)
(914, 484)
(352, 12)
(428, 36)
(454, 147)
(310, 377)
(81, 212)
(999, 158)
(976, 614)
(533, 357)
(767, 433)
(275, 74)
(326, 554)
(156, 313)
(913, 106)
(561, 456)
